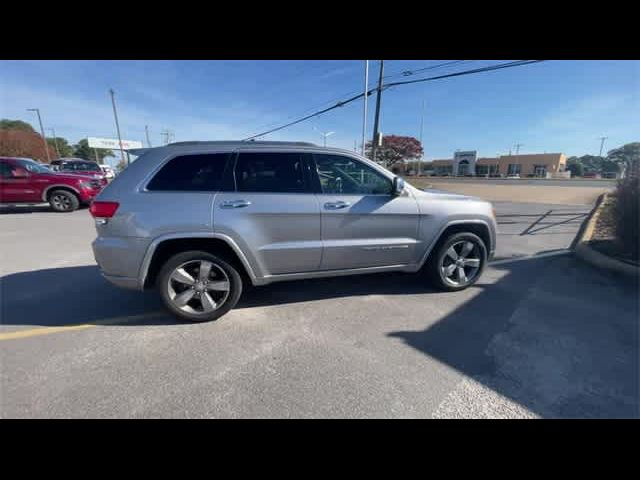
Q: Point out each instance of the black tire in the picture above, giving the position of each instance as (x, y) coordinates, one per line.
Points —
(439, 259)
(220, 268)
(63, 201)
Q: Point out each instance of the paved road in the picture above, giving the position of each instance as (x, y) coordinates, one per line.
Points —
(546, 337)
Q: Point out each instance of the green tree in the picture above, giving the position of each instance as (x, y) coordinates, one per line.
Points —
(6, 124)
(625, 155)
(83, 150)
(575, 167)
(61, 145)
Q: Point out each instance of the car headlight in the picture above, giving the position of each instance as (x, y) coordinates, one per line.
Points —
(86, 185)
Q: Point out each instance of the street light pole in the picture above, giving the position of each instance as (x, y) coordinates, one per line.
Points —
(377, 117)
(55, 141)
(44, 140)
(364, 113)
(325, 135)
(115, 115)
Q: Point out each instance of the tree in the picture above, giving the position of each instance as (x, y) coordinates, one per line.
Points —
(6, 124)
(575, 167)
(24, 143)
(83, 150)
(396, 148)
(626, 155)
(60, 144)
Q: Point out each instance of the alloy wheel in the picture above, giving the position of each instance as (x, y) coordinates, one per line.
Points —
(198, 287)
(461, 263)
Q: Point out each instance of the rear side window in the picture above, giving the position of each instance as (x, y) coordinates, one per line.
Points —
(192, 173)
(270, 172)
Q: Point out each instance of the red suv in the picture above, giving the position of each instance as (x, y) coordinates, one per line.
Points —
(78, 165)
(23, 180)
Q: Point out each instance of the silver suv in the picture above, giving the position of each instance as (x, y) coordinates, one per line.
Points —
(201, 219)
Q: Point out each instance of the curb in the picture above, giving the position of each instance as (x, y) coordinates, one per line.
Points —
(593, 257)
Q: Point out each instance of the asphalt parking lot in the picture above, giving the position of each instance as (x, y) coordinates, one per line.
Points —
(540, 335)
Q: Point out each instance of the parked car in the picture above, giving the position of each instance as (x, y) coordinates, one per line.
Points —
(108, 171)
(198, 220)
(513, 176)
(80, 166)
(23, 180)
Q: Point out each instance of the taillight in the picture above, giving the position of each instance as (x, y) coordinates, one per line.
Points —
(103, 209)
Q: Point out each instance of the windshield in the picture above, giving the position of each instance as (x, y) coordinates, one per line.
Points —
(33, 167)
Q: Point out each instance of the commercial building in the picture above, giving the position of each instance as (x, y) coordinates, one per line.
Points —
(526, 165)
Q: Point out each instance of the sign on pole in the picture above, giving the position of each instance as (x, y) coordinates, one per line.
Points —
(113, 143)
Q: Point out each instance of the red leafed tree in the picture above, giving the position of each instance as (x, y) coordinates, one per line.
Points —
(396, 148)
(23, 143)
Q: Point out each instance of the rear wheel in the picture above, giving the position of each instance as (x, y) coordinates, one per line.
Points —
(63, 201)
(457, 262)
(197, 286)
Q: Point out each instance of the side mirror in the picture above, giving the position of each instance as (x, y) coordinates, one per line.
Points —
(398, 185)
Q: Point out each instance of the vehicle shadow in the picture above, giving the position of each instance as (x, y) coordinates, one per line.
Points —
(73, 295)
(9, 209)
(555, 336)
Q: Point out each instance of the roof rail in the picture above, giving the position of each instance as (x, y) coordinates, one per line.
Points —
(237, 142)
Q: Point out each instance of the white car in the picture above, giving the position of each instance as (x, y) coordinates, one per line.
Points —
(108, 172)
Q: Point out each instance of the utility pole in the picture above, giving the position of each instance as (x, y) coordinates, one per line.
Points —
(421, 131)
(55, 141)
(44, 140)
(355, 145)
(115, 115)
(602, 139)
(366, 97)
(146, 131)
(376, 123)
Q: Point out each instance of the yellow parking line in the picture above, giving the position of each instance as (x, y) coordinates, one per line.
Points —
(33, 332)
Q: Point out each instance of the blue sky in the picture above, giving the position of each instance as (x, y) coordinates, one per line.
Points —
(554, 106)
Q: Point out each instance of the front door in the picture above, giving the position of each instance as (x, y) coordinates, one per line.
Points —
(273, 213)
(363, 223)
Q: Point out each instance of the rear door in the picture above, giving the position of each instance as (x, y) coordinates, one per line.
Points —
(363, 223)
(273, 214)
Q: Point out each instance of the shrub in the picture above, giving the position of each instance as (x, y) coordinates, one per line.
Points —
(627, 212)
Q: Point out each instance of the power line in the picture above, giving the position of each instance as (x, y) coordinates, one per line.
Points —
(517, 63)
(394, 84)
(407, 73)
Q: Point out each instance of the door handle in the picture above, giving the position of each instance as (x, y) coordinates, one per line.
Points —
(235, 204)
(336, 205)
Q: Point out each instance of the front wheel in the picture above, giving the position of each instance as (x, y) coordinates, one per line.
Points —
(199, 287)
(63, 201)
(457, 262)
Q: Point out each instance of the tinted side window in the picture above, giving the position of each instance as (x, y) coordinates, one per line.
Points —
(270, 172)
(5, 169)
(192, 173)
(343, 175)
